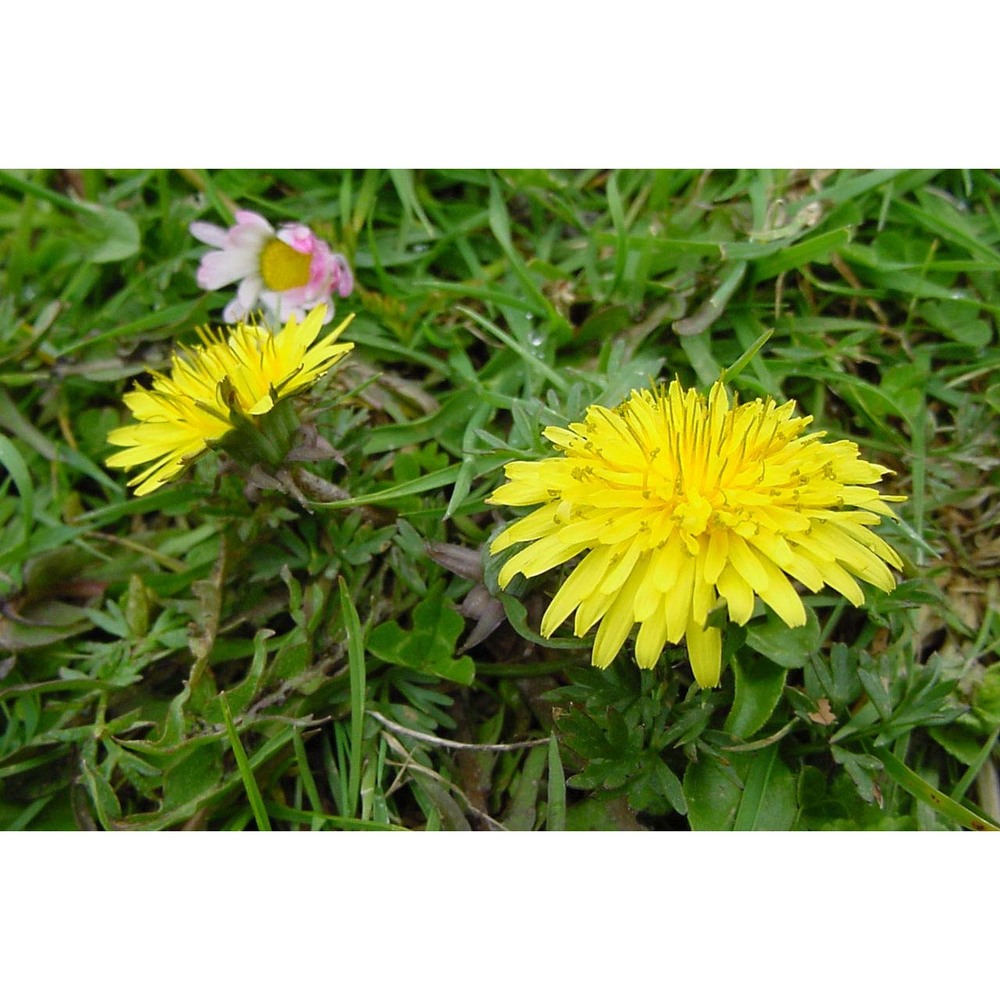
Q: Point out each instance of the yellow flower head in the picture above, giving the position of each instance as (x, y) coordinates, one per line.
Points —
(679, 500)
(236, 373)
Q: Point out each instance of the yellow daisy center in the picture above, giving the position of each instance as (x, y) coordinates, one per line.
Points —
(283, 268)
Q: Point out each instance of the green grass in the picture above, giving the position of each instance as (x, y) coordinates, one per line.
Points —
(194, 660)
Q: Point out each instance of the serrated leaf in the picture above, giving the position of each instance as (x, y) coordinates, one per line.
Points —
(430, 644)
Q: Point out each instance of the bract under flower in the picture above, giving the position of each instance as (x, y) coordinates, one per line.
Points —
(677, 502)
(236, 373)
(288, 272)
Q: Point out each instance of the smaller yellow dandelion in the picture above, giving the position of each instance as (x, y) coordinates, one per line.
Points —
(678, 503)
(235, 375)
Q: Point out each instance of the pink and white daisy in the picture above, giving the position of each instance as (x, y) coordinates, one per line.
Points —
(289, 272)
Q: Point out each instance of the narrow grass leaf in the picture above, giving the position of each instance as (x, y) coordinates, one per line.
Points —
(306, 777)
(500, 224)
(422, 484)
(555, 815)
(621, 231)
(522, 812)
(524, 352)
(25, 432)
(750, 354)
(279, 811)
(713, 307)
(938, 217)
(927, 793)
(356, 671)
(403, 182)
(28, 814)
(974, 768)
(815, 249)
(246, 773)
(11, 458)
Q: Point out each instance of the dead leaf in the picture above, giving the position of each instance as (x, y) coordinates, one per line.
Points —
(824, 717)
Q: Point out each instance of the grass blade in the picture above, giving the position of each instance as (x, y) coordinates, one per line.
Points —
(11, 458)
(925, 792)
(246, 773)
(356, 670)
(555, 817)
(422, 484)
(305, 776)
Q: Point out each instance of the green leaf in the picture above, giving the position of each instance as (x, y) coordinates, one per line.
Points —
(42, 624)
(555, 813)
(109, 235)
(422, 484)
(815, 249)
(246, 772)
(769, 800)
(712, 794)
(788, 647)
(875, 686)
(669, 786)
(430, 644)
(403, 182)
(243, 693)
(500, 224)
(960, 321)
(961, 739)
(927, 793)
(517, 615)
(862, 770)
(523, 808)
(102, 794)
(758, 689)
(11, 458)
(191, 774)
(986, 697)
(356, 669)
(754, 793)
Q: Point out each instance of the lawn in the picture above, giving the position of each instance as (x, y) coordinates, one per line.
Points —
(325, 639)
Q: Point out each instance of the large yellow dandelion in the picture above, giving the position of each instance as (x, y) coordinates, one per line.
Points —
(235, 374)
(676, 501)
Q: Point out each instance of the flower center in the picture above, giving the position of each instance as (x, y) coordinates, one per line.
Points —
(283, 268)
(694, 514)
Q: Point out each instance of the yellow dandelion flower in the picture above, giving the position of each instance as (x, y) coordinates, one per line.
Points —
(235, 374)
(676, 501)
